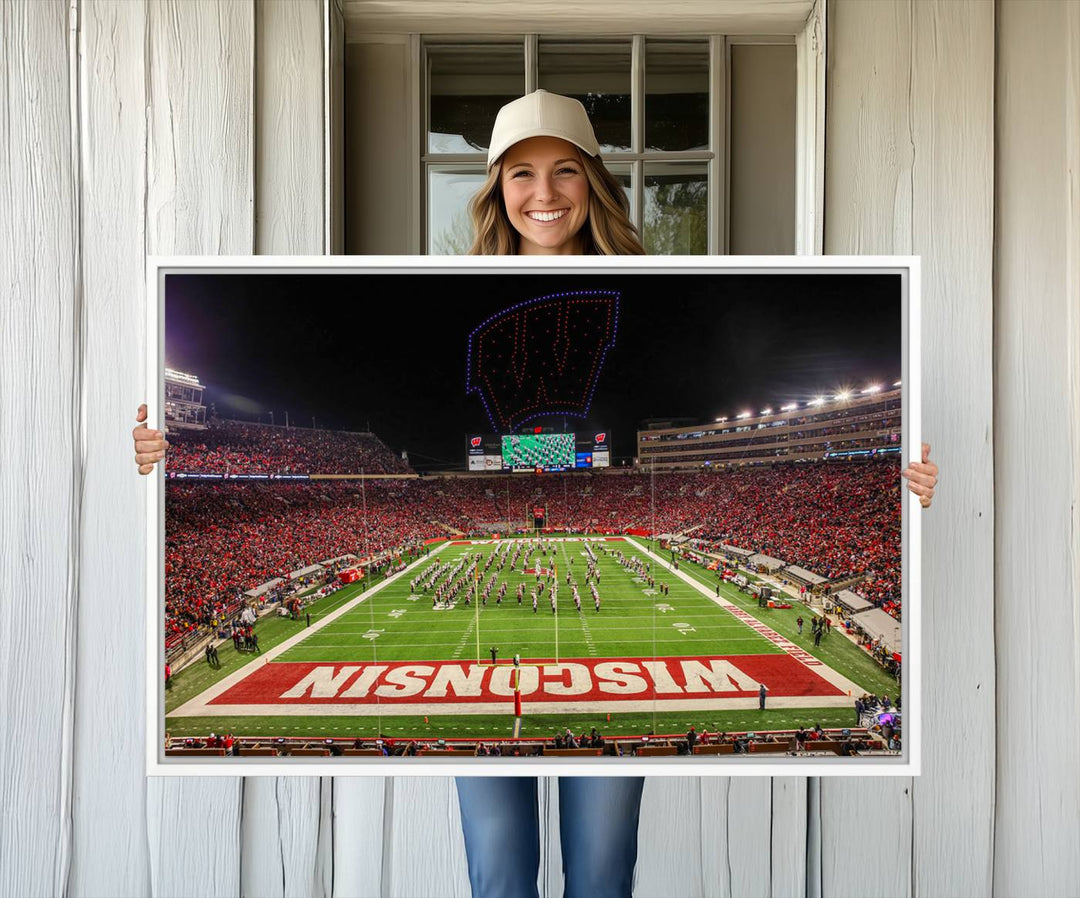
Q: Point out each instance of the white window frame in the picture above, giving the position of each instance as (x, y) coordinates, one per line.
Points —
(809, 42)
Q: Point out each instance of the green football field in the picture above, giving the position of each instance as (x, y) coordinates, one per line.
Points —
(634, 619)
(386, 625)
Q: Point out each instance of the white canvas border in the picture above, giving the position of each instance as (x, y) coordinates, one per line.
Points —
(909, 763)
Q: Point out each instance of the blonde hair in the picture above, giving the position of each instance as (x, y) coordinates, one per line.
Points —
(608, 230)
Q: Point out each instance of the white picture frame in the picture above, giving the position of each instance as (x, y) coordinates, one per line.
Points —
(905, 763)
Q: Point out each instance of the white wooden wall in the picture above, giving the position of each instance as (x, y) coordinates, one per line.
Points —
(190, 126)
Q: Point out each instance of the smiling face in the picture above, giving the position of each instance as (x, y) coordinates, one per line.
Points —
(546, 195)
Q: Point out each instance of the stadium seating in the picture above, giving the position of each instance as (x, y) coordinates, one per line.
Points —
(242, 448)
(224, 538)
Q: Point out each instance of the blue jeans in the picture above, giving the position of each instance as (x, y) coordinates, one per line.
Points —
(598, 822)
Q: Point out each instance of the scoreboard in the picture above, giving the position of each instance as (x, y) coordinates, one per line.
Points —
(537, 451)
(529, 451)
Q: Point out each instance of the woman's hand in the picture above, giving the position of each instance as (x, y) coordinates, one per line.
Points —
(150, 445)
(922, 477)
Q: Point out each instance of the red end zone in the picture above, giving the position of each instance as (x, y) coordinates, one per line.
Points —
(570, 681)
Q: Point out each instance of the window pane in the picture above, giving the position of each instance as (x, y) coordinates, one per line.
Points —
(597, 74)
(676, 95)
(762, 197)
(467, 85)
(449, 191)
(676, 209)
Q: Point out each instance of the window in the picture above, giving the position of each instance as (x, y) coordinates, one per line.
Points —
(660, 108)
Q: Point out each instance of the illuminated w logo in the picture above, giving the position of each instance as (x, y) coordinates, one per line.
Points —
(542, 356)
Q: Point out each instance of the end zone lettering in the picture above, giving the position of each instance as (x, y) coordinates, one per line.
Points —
(541, 681)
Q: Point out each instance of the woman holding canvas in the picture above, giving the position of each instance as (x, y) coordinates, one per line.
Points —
(548, 193)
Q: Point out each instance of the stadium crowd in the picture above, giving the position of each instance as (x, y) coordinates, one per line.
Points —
(223, 538)
(240, 447)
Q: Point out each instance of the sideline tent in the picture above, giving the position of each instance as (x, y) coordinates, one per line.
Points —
(806, 576)
(879, 624)
(263, 588)
(852, 602)
(768, 562)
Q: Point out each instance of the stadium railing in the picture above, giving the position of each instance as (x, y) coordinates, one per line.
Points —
(664, 745)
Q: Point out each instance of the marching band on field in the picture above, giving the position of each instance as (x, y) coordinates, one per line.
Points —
(469, 576)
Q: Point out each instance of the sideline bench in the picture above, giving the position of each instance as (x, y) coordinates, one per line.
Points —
(446, 752)
(723, 748)
(769, 748)
(572, 752)
(195, 752)
(656, 751)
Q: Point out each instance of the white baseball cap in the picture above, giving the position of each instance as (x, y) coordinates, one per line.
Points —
(541, 114)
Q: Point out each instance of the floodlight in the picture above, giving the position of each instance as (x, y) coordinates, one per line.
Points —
(843, 395)
(896, 384)
(743, 415)
(766, 411)
(876, 388)
(791, 406)
(820, 400)
(173, 374)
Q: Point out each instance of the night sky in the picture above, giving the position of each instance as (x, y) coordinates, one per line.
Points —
(389, 351)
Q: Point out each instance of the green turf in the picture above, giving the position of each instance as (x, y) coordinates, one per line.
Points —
(398, 625)
(199, 675)
(836, 650)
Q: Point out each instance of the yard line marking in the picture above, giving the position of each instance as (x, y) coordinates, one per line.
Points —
(590, 646)
(804, 657)
(464, 638)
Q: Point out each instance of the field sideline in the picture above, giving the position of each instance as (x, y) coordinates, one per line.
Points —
(388, 654)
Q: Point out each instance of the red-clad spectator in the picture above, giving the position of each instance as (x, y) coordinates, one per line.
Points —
(237, 447)
(837, 520)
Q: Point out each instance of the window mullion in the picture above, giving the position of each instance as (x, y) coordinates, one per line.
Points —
(420, 232)
(637, 129)
(718, 144)
(725, 143)
(532, 62)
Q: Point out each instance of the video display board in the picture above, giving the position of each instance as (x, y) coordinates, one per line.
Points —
(529, 451)
(537, 451)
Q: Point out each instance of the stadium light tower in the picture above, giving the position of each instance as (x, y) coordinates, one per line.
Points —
(790, 407)
(875, 388)
(741, 416)
(766, 411)
(721, 420)
(843, 395)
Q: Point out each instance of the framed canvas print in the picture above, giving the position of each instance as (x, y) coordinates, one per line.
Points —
(506, 516)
